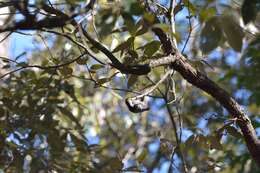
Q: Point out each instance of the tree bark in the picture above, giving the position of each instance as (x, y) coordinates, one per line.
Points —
(204, 83)
(201, 81)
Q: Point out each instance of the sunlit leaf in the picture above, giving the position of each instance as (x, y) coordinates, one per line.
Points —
(142, 155)
(151, 48)
(207, 13)
(124, 45)
(95, 67)
(65, 70)
(82, 61)
(101, 81)
(190, 6)
(149, 17)
(116, 164)
(136, 8)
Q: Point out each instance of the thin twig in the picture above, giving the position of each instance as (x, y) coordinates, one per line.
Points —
(190, 29)
(116, 89)
(172, 6)
(178, 142)
(75, 42)
(42, 67)
(169, 72)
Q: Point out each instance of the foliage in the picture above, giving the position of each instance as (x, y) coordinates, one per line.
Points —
(62, 104)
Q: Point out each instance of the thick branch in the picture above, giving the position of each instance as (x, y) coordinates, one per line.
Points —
(203, 82)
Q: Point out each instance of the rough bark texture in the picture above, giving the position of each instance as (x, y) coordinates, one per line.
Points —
(203, 82)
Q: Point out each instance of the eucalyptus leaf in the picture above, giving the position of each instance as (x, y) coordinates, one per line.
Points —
(211, 35)
(233, 32)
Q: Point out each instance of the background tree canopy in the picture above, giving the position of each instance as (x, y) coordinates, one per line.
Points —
(127, 86)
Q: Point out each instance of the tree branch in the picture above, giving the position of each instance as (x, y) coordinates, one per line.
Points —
(193, 76)
(203, 82)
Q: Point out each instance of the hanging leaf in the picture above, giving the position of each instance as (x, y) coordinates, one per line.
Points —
(82, 60)
(101, 81)
(210, 35)
(136, 8)
(190, 6)
(207, 13)
(121, 47)
(65, 70)
(96, 67)
(142, 155)
(124, 45)
(116, 164)
(165, 27)
(129, 23)
(149, 17)
(233, 131)
(151, 48)
(249, 10)
(233, 32)
(142, 31)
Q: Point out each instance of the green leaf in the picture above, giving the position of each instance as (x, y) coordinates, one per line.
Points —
(96, 67)
(129, 23)
(142, 155)
(233, 32)
(142, 31)
(115, 163)
(233, 131)
(149, 17)
(132, 80)
(151, 48)
(165, 27)
(210, 35)
(65, 70)
(124, 45)
(207, 13)
(132, 169)
(101, 81)
(249, 10)
(121, 47)
(190, 6)
(82, 60)
(136, 8)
